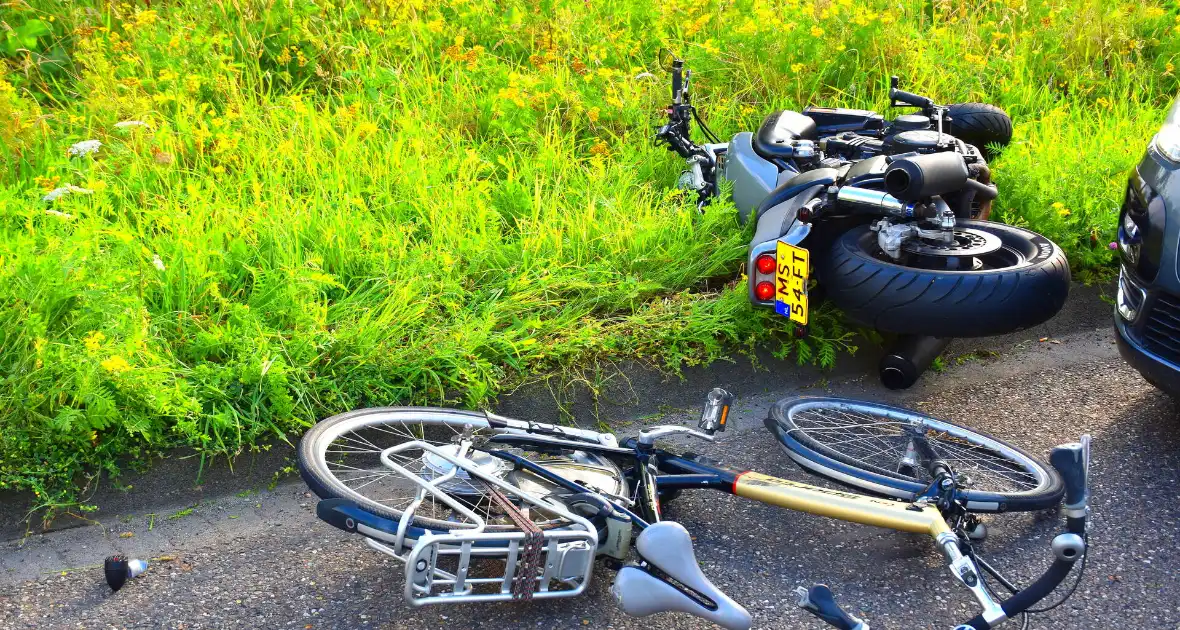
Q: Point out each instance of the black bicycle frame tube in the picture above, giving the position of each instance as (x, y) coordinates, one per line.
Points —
(557, 479)
(686, 474)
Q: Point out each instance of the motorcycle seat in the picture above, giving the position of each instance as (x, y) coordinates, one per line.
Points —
(773, 140)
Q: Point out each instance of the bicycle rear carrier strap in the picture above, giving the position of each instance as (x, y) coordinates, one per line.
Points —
(524, 583)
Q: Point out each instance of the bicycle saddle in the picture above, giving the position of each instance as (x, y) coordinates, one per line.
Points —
(667, 549)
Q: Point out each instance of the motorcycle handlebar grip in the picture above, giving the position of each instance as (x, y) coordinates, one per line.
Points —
(909, 98)
(677, 80)
(1070, 461)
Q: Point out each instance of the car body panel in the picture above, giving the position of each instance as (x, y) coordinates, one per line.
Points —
(1150, 341)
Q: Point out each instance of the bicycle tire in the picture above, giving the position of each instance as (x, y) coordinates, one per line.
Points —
(314, 467)
(805, 445)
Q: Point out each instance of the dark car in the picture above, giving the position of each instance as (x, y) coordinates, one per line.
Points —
(1147, 310)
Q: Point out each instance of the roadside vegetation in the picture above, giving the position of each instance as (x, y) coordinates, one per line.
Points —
(222, 220)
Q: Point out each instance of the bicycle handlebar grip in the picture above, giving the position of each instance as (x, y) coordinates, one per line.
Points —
(819, 601)
(1070, 461)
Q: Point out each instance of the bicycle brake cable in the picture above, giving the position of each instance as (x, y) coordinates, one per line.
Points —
(1010, 587)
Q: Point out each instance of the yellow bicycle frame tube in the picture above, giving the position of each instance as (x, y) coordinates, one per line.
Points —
(844, 506)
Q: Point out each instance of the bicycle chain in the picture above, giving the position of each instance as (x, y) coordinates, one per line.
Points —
(524, 583)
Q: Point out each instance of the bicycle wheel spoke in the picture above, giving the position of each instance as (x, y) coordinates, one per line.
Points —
(877, 440)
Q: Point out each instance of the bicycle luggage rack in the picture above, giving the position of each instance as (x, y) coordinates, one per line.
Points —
(568, 555)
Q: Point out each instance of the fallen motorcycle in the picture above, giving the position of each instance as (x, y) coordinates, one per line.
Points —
(890, 214)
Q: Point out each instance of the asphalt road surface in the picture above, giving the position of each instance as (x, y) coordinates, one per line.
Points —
(262, 560)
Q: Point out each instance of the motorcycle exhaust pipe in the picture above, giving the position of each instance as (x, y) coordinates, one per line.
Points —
(908, 359)
(914, 178)
(883, 201)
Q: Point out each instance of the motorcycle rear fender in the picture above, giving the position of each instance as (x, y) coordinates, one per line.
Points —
(778, 224)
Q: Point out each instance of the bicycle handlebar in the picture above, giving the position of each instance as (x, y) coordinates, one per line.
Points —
(1073, 462)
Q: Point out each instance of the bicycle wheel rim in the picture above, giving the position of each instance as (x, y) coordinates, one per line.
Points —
(1044, 488)
(378, 489)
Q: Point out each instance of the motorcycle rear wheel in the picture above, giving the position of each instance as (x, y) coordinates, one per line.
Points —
(1022, 285)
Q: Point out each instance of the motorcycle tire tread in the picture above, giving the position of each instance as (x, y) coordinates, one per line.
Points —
(980, 124)
(905, 300)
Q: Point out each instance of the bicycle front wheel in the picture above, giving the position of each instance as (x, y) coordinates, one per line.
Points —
(870, 446)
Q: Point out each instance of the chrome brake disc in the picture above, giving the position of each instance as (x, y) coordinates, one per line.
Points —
(967, 242)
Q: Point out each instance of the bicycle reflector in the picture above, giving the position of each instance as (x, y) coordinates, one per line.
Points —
(764, 291)
(716, 411)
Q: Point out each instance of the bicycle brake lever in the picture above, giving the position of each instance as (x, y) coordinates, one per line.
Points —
(648, 437)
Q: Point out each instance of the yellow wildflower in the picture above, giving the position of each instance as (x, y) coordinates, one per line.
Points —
(816, 31)
(94, 340)
(367, 128)
(115, 365)
(593, 114)
(144, 18)
(796, 68)
(47, 183)
(436, 26)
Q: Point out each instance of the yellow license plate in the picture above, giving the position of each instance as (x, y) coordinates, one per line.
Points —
(790, 295)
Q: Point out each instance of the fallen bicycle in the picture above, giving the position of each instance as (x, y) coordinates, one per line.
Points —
(484, 508)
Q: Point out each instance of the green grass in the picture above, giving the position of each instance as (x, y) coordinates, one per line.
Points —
(344, 204)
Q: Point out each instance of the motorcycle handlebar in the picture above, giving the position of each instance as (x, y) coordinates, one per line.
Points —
(908, 98)
(677, 80)
(902, 97)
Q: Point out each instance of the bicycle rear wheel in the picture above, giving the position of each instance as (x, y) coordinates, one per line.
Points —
(869, 446)
(340, 457)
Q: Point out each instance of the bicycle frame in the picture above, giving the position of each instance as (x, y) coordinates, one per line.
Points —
(680, 473)
(802, 497)
(653, 473)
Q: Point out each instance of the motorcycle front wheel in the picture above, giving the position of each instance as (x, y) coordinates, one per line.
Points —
(994, 279)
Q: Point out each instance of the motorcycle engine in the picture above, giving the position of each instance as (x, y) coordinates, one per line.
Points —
(920, 141)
